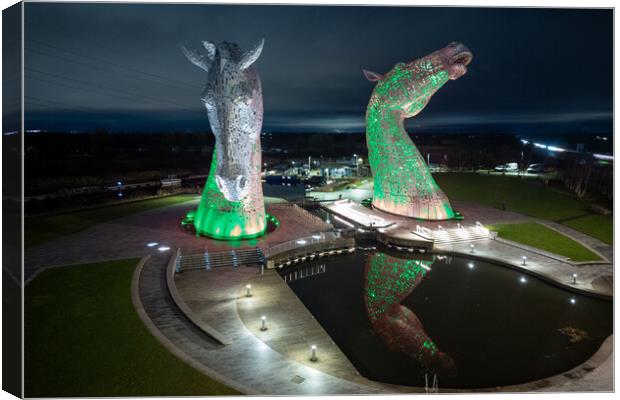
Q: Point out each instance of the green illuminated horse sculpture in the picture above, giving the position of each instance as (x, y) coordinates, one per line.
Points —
(403, 184)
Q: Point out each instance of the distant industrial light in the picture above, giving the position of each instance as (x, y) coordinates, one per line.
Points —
(553, 148)
(301, 241)
(163, 248)
(524, 141)
(313, 353)
(152, 244)
(316, 236)
(542, 146)
(603, 157)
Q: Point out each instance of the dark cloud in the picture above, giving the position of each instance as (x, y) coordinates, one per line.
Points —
(119, 67)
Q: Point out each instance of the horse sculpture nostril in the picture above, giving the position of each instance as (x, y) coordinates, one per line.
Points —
(241, 181)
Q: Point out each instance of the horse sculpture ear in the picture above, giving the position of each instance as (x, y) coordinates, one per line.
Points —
(198, 59)
(372, 76)
(251, 55)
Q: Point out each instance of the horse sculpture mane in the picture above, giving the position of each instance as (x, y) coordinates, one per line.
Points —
(232, 205)
(403, 184)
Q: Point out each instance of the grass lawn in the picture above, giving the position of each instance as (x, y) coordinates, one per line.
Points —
(541, 237)
(527, 196)
(83, 338)
(598, 226)
(42, 229)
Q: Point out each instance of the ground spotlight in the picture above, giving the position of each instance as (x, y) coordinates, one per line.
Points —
(263, 323)
(313, 353)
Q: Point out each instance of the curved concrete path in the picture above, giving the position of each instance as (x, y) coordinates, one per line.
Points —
(247, 364)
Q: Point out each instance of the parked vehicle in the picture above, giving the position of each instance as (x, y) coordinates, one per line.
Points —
(535, 168)
(510, 167)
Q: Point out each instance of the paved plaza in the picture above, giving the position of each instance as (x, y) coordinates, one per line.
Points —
(276, 361)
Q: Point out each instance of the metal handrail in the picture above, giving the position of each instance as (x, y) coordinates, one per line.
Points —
(321, 237)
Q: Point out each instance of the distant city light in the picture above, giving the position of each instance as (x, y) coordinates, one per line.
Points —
(603, 157)
(163, 248)
(152, 244)
(542, 146)
(553, 148)
(301, 241)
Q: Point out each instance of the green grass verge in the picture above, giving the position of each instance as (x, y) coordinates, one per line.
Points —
(43, 229)
(526, 196)
(83, 338)
(541, 237)
(598, 226)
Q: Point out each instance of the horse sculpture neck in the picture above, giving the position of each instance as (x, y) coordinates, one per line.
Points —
(403, 184)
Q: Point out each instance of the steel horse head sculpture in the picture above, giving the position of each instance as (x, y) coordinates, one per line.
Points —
(232, 205)
(403, 184)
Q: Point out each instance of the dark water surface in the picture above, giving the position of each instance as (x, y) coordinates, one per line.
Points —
(474, 324)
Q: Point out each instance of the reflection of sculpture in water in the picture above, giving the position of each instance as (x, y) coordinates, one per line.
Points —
(403, 183)
(388, 281)
(232, 204)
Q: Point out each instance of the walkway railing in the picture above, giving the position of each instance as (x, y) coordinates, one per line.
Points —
(322, 237)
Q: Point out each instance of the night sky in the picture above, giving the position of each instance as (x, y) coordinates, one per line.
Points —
(118, 67)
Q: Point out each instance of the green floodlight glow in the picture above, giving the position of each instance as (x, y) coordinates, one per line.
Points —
(403, 183)
(223, 219)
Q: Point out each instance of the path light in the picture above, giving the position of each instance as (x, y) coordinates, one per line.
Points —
(572, 300)
(574, 279)
(471, 248)
(524, 258)
(248, 290)
(263, 323)
(471, 265)
(313, 353)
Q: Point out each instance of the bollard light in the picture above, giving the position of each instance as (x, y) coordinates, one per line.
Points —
(574, 279)
(313, 353)
(471, 248)
(524, 258)
(248, 290)
(263, 323)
